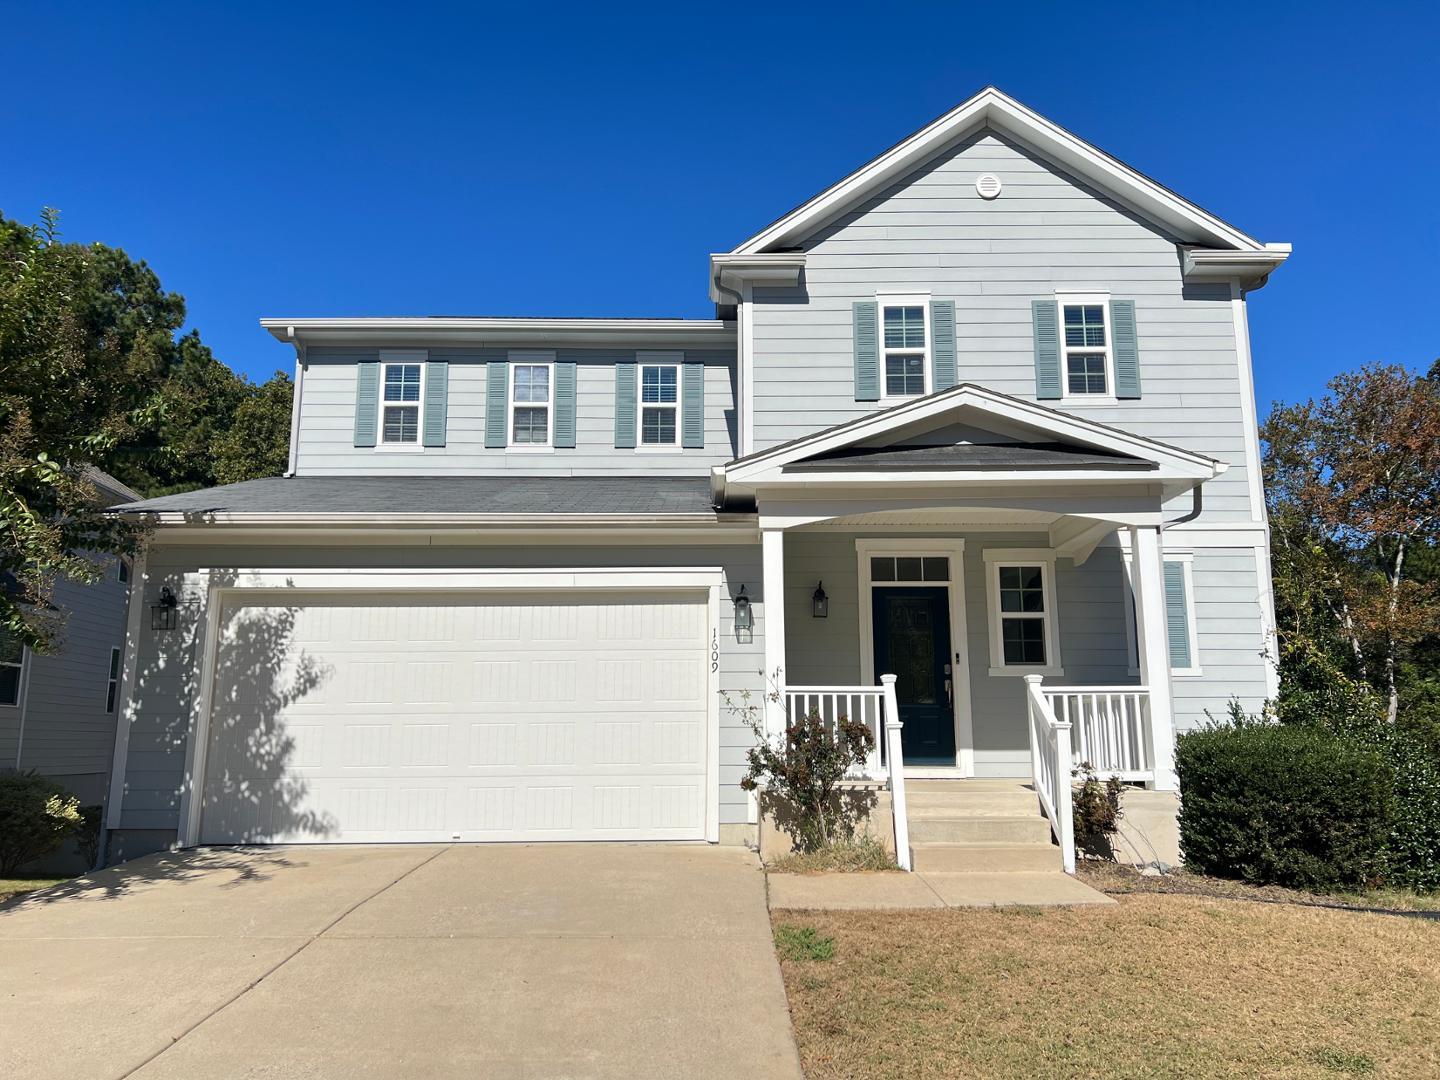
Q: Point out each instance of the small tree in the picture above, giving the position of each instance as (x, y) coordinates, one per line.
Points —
(805, 766)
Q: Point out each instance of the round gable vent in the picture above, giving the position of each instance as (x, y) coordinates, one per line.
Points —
(988, 185)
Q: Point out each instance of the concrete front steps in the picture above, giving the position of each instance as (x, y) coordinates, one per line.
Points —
(979, 827)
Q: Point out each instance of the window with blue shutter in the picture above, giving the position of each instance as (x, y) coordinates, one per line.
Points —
(692, 421)
(1127, 349)
(367, 402)
(625, 406)
(1177, 616)
(942, 330)
(565, 405)
(1044, 318)
(497, 381)
(437, 394)
(866, 344)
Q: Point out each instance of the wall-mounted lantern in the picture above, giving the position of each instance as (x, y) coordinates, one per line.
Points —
(744, 620)
(819, 602)
(165, 612)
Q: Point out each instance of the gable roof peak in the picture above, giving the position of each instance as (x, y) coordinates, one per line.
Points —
(994, 108)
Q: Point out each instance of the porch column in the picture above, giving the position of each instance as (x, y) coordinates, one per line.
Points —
(1153, 647)
(773, 569)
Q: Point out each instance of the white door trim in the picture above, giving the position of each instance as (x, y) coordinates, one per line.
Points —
(216, 587)
(952, 548)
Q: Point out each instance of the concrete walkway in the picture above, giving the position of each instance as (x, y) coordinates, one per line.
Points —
(850, 892)
(502, 960)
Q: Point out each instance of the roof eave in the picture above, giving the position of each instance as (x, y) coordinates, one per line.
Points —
(485, 331)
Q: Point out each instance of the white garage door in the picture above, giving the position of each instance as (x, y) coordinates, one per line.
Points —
(389, 718)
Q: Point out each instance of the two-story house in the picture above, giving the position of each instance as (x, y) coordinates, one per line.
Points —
(980, 411)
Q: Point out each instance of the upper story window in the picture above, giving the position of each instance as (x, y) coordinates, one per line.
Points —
(400, 396)
(12, 662)
(531, 400)
(1085, 345)
(905, 346)
(660, 405)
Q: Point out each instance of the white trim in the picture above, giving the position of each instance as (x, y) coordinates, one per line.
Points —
(927, 353)
(112, 685)
(1173, 462)
(1269, 631)
(1092, 299)
(1254, 475)
(388, 361)
(1132, 647)
(997, 558)
(673, 360)
(296, 389)
(125, 703)
(242, 584)
(530, 360)
(995, 109)
(500, 332)
(953, 549)
(745, 369)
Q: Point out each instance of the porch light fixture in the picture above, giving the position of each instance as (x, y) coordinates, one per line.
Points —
(744, 620)
(164, 613)
(819, 602)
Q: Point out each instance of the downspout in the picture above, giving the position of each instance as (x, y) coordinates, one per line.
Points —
(295, 404)
(1197, 504)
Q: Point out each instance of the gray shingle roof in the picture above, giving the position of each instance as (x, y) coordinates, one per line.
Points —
(443, 495)
(970, 455)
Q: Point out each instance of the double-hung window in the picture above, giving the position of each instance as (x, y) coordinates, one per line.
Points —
(112, 683)
(401, 391)
(532, 396)
(660, 405)
(12, 663)
(1020, 590)
(1085, 346)
(905, 346)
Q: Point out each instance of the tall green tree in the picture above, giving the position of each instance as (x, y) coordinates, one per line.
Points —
(257, 442)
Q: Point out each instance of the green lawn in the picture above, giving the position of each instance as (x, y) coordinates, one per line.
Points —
(15, 886)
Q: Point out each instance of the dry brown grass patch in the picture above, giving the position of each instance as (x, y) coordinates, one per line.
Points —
(1159, 986)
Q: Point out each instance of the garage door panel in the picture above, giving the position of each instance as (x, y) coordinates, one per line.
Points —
(503, 718)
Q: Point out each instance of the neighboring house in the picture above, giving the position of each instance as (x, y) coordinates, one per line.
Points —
(58, 712)
(983, 409)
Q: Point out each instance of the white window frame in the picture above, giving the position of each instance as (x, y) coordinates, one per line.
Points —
(895, 300)
(112, 681)
(386, 363)
(517, 361)
(1132, 648)
(997, 559)
(659, 360)
(1064, 300)
(20, 666)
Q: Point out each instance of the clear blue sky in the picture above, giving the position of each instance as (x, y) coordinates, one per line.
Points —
(417, 159)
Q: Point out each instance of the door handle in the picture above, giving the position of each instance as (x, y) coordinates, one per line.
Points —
(949, 694)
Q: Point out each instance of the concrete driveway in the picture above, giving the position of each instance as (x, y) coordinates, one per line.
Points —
(505, 960)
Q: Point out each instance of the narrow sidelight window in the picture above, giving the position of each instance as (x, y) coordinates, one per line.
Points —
(12, 661)
(1085, 345)
(659, 405)
(531, 390)
(400, 400)
(905, 348)
(113, 683)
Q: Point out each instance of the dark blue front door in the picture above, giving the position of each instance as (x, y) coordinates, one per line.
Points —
(912, 641)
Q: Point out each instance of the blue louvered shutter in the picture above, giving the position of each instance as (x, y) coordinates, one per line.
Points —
(367, 402)
(565, 406)
(692, 420)
(1045, 317)
(1177, 615)
(437, 395)
(497, 386)
(625, 406)
(1126, 346)
(867, 350)
(942, 332)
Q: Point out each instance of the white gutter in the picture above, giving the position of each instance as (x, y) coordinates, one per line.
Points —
(485, 331)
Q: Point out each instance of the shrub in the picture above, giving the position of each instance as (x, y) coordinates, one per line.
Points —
(1097, 811)
(36, 815)
(1283, 804)
(862, 854)
(804, 767)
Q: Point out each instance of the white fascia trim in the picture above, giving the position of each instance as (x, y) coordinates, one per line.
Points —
(731, 273)
(501, 331)
(1250, 267)
(125, 694)
(994, 108)
(1185, 463)
(297, 390)
(428, 521)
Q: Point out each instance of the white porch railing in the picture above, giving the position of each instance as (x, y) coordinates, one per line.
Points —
(1051, 760)
(1110, 727)
(862, 703)
(877, 708)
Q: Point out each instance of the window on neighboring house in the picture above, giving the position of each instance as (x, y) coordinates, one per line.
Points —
(400, 399)
(905, 357)
(530, 400)
(113, 683)
(660, 405)
(123, 570)
(1021, 596)
(1086, 347)
(12, 662)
